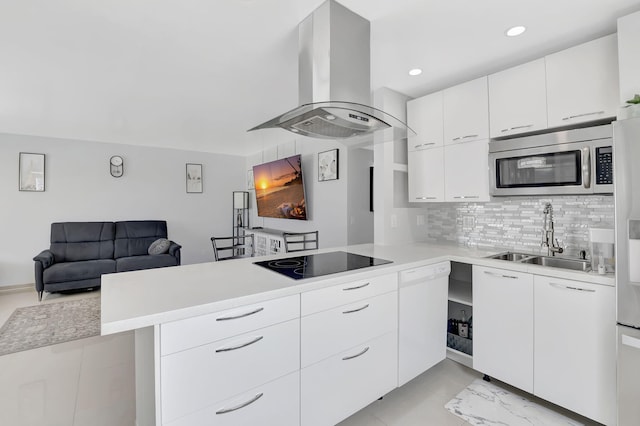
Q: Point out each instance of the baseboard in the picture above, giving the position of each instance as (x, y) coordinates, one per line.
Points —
(16, 288)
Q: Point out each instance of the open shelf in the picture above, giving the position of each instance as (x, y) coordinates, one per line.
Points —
(460, 292)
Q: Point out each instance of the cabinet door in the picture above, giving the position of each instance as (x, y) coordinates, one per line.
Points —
(422, 336)
(518, 99)
(503, 325)
(575, 350)
(333, 389)
(466, 112)
(582, 82)
(629, 56)
(424, 116)
(426, 175)
(466, 171)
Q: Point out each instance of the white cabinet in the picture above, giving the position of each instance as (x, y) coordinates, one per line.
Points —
(518, 99)
(575, 346)
(466, 167)
(347, 332)
(629, 56)
(582, 82)
(466, 112)
(426, 175)
(422, 319)
(503, 325)
(209, 365)
(424, 116)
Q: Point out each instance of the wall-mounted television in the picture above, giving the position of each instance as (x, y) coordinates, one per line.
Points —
(280, 189)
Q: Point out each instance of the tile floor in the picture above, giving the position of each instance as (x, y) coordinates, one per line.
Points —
(90, 382)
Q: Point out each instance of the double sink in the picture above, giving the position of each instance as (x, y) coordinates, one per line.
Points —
(554, 262)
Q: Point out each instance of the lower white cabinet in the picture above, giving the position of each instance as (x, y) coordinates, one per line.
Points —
(575, 347)
(503, 325)
(273, 403)
(335, 388)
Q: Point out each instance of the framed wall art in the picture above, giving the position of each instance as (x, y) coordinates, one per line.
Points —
(194, 178)
(328, 165)
(31, 172)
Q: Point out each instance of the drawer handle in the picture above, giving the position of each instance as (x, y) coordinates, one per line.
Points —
(583, 115)
(493, 274)
(244, 345)
(568, 287)
(239, 406)
(347, 358)
(356, 310)
(526, 126)
(466, 196)
(356, 287)
(240, 316)
(424, 144)
(425, 198)
(465, 137)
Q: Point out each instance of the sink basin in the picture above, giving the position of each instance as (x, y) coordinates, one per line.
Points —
(559, 262)
(513, 257)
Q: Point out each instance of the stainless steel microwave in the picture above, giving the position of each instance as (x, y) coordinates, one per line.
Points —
(577, 161)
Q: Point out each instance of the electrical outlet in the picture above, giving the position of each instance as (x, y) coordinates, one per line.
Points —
(468, 222)
(420, 220)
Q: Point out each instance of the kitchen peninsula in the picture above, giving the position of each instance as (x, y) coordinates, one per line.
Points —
(279, 346)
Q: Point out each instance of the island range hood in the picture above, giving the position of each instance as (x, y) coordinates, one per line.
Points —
(334, 82)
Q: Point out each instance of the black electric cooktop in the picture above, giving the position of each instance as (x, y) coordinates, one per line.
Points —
(315, 265)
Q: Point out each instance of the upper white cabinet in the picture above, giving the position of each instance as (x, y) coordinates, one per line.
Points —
(503, 325)
(466, 112)
(518, 99)
(575, 346)
(426, 175)
(582, 82)
(629, 56)
(424, 116)
(466, 171)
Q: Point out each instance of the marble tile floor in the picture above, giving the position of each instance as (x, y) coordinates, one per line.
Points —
(90, 382)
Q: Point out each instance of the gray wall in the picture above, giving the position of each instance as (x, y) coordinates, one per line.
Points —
(80, 188)
(516, 222)
(359, 214)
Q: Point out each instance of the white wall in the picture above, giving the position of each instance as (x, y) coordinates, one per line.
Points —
(360, 217)
(326, 201)
(79, 187)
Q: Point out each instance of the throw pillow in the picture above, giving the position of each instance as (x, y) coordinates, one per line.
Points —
(159, 246)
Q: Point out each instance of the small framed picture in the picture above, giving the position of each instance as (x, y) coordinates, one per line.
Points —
(328, 165)
(31, 172)
(250, 184)
(194, 178)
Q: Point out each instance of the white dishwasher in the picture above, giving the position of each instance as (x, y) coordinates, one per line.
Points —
(422, 319)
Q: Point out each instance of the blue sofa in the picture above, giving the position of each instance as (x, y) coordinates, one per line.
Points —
(81, 252)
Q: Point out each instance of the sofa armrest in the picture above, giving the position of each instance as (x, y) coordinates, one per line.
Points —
(45, 258)
(174, 250)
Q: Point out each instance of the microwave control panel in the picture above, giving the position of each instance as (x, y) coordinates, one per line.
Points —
(604, 165)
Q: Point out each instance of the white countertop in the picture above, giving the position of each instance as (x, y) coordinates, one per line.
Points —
(137, 299)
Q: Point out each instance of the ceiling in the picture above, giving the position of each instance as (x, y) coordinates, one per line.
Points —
(196, 74)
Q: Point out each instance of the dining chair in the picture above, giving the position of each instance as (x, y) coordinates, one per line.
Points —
(299, 241)
(233, 247)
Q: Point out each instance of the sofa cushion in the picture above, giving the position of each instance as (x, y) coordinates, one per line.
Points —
(134, 263)
(74, 241)
(134, 237)
(81, 270)
(159, 246)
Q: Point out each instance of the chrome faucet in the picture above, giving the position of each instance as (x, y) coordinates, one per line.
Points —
(548, 237)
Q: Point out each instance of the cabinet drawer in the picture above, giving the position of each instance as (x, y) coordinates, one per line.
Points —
(329, 332)
(191, 332)
(339, 386)
(274, 403)
(331, 297)
(198, 377)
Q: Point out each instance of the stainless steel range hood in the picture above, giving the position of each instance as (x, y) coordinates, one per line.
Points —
(334, 82)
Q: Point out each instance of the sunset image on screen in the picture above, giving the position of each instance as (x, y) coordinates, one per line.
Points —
(279, 189)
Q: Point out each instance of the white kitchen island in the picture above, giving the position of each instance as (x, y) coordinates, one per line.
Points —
(295, 349)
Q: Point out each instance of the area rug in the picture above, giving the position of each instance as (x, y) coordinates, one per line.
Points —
(49, 324)
(483, 403)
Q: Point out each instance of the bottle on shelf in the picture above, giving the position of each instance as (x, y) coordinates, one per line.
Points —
(463, 325)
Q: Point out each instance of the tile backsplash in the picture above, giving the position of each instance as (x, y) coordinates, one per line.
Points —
(515, 223)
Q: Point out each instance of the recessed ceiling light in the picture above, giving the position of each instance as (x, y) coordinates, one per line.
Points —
(415, 71)
(515, 31)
